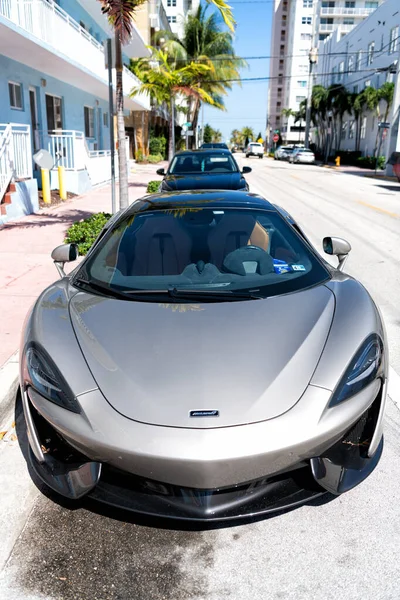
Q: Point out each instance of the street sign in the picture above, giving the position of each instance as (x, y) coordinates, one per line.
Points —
(384, 125)
(187, 124)
(276, 138)
(185, 133)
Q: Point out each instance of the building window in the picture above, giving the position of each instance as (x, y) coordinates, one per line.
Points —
(15, 92)
(89, 121)
(351, 4)
(394, 39)
(323, 36)
(355, 89)
(54, 112)
(359, 60)
(300, 99)
(329, 4)
(372, 5)
(302, 83)
(307, 3)
(348, 21)
(105, 119)
(171, 2)
(172, 19)
(344, 131)
(363, 128)
(306, 20)
(306, 36)
(351, 64)
(371, 50)
(367, 83)
(351, 129)
(334, 75)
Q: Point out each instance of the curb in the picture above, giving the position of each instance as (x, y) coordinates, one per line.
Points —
(9, 382)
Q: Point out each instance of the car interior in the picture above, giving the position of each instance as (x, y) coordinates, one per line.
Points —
(205, 163)
(201, 244)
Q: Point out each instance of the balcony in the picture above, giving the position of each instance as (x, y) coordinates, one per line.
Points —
(41, 35)
(341, 11)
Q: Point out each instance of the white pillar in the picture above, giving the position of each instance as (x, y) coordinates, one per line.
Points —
(393, 143)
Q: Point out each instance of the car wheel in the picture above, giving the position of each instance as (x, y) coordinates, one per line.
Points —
(260, 157)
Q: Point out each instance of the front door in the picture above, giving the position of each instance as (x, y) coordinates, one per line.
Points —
(34, 119)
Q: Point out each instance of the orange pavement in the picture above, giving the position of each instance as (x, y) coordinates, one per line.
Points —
(25, 247)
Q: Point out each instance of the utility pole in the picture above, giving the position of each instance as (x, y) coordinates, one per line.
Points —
(111, 122)
(312, 59)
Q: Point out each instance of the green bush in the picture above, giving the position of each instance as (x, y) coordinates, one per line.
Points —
(154, 158)
(157, 145)
(85, 232)
(271, 154)
(369, 162)
(152, 187)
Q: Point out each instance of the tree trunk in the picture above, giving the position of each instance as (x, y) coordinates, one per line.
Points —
(195, 121)
(122, 157)
(171, 137)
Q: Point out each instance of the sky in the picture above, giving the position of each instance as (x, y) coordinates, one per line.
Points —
(247, 105)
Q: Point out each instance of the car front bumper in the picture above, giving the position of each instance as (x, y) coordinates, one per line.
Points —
(183, 474)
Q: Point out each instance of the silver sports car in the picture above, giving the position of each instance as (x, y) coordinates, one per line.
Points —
(204, 362)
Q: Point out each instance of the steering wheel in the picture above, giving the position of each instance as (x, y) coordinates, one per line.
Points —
(234, 261)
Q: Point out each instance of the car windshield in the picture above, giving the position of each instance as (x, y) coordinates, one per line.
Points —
(191, 251)
(203, 162)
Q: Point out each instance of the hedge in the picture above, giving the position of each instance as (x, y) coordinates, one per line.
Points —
(152, 187)
(84, 233)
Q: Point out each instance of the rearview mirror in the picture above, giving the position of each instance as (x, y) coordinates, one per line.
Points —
(337, 247)
(62, 254)
(160, 172)
(246, 170)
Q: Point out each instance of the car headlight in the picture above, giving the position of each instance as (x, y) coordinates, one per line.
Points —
(365, 367)
(42, 374)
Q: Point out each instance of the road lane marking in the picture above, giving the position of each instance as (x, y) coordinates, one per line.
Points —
(295, 177)
(378, 209)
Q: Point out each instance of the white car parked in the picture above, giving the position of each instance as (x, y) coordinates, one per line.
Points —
(255, 149)
(302, 155)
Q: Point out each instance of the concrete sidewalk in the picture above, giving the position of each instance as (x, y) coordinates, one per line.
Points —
(25, 247)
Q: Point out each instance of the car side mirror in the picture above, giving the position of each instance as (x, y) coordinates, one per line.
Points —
(337, 247)
(246, 170)
(62, 254)
(160, 172)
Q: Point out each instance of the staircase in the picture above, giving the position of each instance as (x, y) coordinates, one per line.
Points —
(15, 160)
(7, 198)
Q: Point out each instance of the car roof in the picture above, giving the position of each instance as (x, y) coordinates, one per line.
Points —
(202, 150)
(203, 198)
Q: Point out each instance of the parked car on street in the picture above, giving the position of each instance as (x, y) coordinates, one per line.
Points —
(215, 145)
(203, 362)
(203, 169)
(286, 154)
(255, 149)
(281, 151)
(302, 155)
(394, 160)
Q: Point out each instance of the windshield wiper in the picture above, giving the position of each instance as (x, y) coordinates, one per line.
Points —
(102, 289)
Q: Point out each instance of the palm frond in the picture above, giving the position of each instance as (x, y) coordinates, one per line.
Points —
(120, 14)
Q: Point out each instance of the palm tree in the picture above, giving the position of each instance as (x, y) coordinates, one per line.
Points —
(236, 137)
(247, 135)
(165, 82)
(367, 100)
(217, 136)
(203, 41)
(339, 103)
(120, 14)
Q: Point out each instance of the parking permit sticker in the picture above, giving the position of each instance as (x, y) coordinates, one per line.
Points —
(298, 268)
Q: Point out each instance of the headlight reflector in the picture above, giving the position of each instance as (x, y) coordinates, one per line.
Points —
(42, 374)
(365, 367)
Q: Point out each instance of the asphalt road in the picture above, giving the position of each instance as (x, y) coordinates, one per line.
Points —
(345, 548)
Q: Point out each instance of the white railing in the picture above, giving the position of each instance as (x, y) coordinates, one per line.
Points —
(45, 20)
(327, 26)
(69, 149)
(347, 12)
(15, 154)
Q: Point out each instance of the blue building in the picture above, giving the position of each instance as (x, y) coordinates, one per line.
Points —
(54, 93)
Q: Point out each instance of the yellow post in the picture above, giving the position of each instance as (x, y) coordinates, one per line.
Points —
(61, 183)
(337, 161)
(46, 186)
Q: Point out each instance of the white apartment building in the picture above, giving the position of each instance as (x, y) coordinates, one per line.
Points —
(177, 10)
(367, 56)
(297, 26)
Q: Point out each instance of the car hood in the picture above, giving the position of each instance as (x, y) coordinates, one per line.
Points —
(250, 361)
(204, 181)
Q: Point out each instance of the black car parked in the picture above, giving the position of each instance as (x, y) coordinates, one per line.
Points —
(203, 170)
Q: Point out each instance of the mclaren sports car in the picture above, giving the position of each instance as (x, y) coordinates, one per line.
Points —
(204, 362)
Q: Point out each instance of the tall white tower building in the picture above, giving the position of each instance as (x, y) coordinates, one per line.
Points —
(177, 10)
(297, 26)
